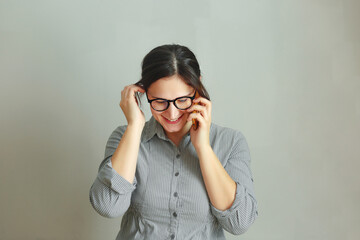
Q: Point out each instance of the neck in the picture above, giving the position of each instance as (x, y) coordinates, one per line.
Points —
(177, 136)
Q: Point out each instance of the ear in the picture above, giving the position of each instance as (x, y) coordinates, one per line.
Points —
(200, 78)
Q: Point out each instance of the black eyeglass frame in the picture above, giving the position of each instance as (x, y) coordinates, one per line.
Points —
(169, 101)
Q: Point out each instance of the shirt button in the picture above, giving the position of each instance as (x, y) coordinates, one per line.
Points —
(175, 194)
(172, 236)
(177, 174)
(175, 214)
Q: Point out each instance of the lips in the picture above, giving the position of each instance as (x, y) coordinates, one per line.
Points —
(173, 121)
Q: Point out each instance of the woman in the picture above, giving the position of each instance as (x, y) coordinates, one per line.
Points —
(168, 180)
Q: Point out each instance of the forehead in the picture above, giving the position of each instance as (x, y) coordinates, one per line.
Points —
(169, 88)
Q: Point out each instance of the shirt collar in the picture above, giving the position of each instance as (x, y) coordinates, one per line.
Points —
(151, 128)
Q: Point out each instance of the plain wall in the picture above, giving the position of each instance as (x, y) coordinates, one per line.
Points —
(285, 73)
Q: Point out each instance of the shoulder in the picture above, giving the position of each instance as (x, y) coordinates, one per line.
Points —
(118, 132)
(225, 134)
(228, 143)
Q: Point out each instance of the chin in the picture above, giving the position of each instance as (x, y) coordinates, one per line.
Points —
(172, 127)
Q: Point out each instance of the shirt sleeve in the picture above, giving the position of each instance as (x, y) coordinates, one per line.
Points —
(110, 194)
(243, 212)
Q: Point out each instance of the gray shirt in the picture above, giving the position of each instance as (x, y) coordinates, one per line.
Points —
(168, 198)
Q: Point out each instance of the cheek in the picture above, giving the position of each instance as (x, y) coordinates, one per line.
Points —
(186, 114)
(155, 114)
(158, 115)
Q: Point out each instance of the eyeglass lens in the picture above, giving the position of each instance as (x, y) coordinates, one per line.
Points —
(181, 103)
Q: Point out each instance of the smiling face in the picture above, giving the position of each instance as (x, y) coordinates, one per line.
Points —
(173, 120)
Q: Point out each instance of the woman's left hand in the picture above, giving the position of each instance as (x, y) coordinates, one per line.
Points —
(200, 137)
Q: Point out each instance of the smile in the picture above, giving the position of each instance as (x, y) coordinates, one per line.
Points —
(174, 120)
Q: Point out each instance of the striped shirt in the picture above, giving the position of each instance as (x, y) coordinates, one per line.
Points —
(168, 198)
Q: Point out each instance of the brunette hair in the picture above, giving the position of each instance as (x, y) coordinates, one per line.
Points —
(168, 60)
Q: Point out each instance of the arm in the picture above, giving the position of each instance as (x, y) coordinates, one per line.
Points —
(239, 216)
(219, 185)
(125, 157)
(110, 193)
(229, 187)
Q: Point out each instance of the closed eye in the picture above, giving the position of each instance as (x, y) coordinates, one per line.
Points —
(160, 101)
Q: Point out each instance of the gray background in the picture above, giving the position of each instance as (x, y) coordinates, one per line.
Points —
(285, 73)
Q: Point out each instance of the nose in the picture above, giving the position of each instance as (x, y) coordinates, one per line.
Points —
(172, 111)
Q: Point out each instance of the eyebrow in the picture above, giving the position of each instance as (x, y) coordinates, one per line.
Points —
(187, 95)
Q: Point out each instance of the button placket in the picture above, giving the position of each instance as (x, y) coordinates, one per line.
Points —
(174, 194)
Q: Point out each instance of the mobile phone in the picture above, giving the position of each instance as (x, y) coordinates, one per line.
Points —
(138, 95)
(137, 98)
(195, 123)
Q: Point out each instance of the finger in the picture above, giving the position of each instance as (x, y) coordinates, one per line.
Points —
(201, 109)
(132, 89)
(201, 121)
(138, 88)
(196, 108)
(128, 95)
(196, 116)
(203, 102)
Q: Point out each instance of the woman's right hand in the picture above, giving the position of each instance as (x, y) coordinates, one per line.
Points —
(130, 107)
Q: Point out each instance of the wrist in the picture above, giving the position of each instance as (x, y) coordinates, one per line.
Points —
(204, 148)
(137, 127)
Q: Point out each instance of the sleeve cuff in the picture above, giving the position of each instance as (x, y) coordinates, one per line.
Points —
(226, 213)
(108, 176)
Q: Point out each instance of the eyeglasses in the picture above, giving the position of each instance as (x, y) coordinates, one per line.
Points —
(161, 104)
